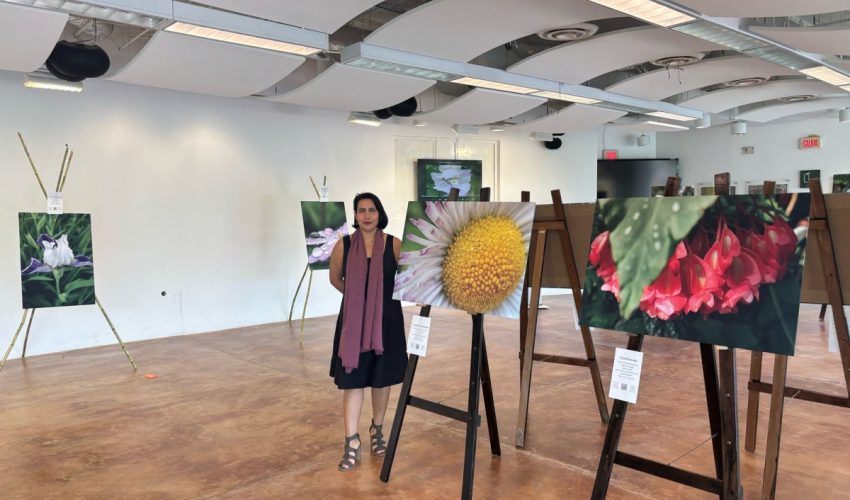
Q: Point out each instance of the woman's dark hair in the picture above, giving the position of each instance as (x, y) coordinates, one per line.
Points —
(382, 214)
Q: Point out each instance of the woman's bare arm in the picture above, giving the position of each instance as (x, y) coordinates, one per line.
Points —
(337, 279)
(396, 249)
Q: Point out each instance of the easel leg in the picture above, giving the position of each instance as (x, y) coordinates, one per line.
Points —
(474, 396)
(612, 436)
(403, 397)
(538, 243)
(712, 398)
(822, 312)
(27, 335)
(489, 402)
(306, 298)
(598, 388)
(115, 332)
(774, 428)
(729, 425)
(14, 339)
(753, 403)
(301, 282)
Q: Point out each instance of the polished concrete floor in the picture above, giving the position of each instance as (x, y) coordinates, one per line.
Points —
(251, 413)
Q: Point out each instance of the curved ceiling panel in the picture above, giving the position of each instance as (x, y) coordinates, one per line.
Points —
(721, 100)
(830, 41)
(580, 61)
(460, 30)
(769, 113)
(660, 84)
(29, 34)
(192, 64)
(573, 118)
(326, 16)
(354, 89)
(482, 106)
(764, 8)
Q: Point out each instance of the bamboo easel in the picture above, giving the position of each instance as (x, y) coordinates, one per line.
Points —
(546, 224)
(306, 269)
(778, 390)
(479, 383)
(60, 185)
(719, 374)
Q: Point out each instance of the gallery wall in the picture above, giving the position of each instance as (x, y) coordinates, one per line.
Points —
(198, 197)
(776, 155)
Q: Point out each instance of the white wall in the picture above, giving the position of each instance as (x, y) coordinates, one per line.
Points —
(624, 140)
(199, 197)
(702, 153)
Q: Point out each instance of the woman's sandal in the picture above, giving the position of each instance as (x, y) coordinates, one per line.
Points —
(351, 455)
(379, 446)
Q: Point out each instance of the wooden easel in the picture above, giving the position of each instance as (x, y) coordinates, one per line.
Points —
(819, 224)
(479, 382)
(60, 186)
(720, 395)
(545, 225)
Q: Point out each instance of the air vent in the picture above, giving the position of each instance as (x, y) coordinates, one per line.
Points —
(570, 33)
(745, 82)
(797, 98)
(677, 61)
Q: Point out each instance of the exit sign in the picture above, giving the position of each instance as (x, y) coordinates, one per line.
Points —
(810, 142)
(610, 154)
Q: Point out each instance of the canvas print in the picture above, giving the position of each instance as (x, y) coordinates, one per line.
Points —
(57, 266)
(841, 183)
(324, 225)
(656, 190)
(465, 255)
(757, 187)
(435, 178)
(723, 270)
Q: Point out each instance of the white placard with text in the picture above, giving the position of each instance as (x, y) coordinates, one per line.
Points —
(54, 203)
(625, 377)
(417, 339)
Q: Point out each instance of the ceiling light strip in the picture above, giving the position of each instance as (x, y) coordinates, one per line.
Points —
(649, 11)
(112, 11)
(671, 116)
(668, 125)
(45, 83)
(827, 75)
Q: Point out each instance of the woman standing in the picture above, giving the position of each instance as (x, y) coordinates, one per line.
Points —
(369, 346)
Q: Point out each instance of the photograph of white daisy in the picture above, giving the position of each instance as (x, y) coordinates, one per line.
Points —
(465, 255)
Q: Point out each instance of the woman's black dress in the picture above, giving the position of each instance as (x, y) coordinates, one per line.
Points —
(373, 370)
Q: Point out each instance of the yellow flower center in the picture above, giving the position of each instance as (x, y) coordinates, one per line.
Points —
(484, 264)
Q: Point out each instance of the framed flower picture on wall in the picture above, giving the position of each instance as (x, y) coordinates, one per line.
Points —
(435, 178)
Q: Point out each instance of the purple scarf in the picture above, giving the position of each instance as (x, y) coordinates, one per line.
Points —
(362, 313)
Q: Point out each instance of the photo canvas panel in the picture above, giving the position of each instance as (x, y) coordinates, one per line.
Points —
(435, 178)
(57, 262)
(722, 270)
(841, 183)
(465, 255)
(324, 225)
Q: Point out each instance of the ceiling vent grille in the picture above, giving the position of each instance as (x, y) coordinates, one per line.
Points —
(677, 61)
(746, 82)
(570, 33)
(797, 98)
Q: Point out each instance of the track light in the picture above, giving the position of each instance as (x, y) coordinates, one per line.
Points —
(364, 119)
(739, 128)
(643, 140)
(43, 82)
(844, 115)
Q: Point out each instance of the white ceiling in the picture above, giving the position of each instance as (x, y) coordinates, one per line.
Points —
(580, 61)
(763, 8)
(28, 36)
(722, 100)
(826, 40)
(573, 118)
(192, 64)
(326, 16)
(662, 83)
(460, 30)
(775, 112)
(480, 106)
(354, 89)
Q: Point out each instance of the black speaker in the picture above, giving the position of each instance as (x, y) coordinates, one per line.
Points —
(404, 108)
(383, 114)
(553, 144)
(75, 62)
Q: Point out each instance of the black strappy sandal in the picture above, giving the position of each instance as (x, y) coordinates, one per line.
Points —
(351, 455)
(379, 446)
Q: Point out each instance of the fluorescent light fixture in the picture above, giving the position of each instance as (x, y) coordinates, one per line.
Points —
(827, 75)
(497, 129)
(465, 129)
(419, 123)
(238, 39)
(720, 35)
(560, 96)
(41, 82)
(364, 119)
(648, 11)
(541, 136)
(90, 9)
(487, 84)
(671, 116)
(668, 125)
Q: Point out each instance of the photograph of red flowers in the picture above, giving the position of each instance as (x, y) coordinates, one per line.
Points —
(722, 270)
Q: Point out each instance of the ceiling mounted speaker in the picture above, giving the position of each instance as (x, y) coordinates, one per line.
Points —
(383, 114)
(739, 128)
(77, 61)
(553, 144)
(404, 108)
(643, 140)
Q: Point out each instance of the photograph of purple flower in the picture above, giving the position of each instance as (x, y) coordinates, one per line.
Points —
(56, 260)
(324, 225)
(465, 255)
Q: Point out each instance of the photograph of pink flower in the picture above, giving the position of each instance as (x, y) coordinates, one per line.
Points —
(324, 225)
(722, 270)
